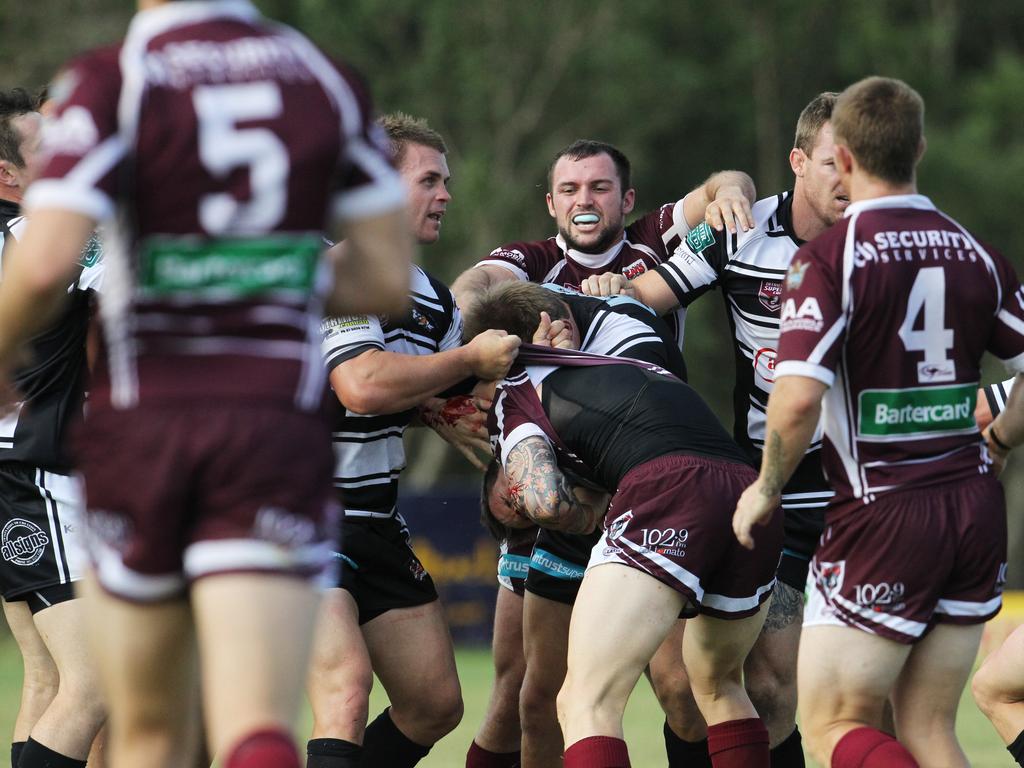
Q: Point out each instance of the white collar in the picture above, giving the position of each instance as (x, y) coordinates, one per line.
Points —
(890, 201)
(161, 18)
(591, 260)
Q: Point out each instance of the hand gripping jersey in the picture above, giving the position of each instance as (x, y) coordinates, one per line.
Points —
(603, 415)
(893, 309)
(222, 142)
(53, 383)
(648, 241)
(368, 450)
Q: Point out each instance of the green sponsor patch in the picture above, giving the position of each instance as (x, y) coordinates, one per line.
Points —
(92, 252)
(700, 237)
(918, 411)
(228, 269)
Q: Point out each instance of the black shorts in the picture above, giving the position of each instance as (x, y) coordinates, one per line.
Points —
(558, 563)
(40, 526)
(514, 562)
(379, 568)
(804, 501)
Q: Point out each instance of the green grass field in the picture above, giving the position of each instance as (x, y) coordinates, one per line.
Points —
(643, 718)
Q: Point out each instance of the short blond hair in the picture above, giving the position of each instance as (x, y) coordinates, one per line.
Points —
(404, 129)
(512, 306)
(881, 121)
(812, 119)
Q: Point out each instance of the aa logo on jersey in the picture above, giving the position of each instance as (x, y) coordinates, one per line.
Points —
(700, 237)
(22, 542)
(807, 318)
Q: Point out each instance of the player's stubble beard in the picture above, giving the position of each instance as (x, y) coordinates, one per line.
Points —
(606, 238)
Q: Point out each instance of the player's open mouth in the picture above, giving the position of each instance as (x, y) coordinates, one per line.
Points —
(435, 217)
(585, 219)
(842, 199)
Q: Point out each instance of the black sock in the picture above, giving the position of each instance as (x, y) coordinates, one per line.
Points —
(790, 753)
(16, 750)
(1017, 748)
(35, 755)
(332, 753)
(685, 754)
(384, 745)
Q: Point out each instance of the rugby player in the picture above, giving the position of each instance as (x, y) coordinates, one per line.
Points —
(749, 266)
(887, 316)
(628, 428)
(998, 686)
(223, 144)
(385, 616)
(589, 197)
(40, 502)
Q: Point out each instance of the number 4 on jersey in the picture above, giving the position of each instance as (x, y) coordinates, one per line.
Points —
(928, 296)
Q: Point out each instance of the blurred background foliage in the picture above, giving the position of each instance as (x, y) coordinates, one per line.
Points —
(684, 88)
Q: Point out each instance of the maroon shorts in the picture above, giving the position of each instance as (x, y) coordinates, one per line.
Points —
(174, 494)
(672, 519)
(912, 559)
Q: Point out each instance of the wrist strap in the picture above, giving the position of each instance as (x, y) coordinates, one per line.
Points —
(995, 439)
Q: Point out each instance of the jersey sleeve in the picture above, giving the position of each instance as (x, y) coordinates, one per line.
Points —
(82, 147)
(513, 414)
(529, 262)
(367, 185)
(1007, 339)
(812, 323)
(348, 337)
(453, 336)
(662, 230)
(696, 264)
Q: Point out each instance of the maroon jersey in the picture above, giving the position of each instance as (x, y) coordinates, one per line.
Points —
(893, 308)
(223, 143)
(649, 241)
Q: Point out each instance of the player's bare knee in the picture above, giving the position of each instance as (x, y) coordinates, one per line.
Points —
(986, 688)
(434, 712)
(773, 695)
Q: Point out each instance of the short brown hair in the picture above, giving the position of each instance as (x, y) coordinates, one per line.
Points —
(811, 120)
(881, 121)
(14, 104)
(403, 129)
(581, 149)
(514, 307)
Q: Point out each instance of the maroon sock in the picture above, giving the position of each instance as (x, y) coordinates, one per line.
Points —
(739, 744)
(268, 748)
(597, 752)
(478, 757)
(867, 748)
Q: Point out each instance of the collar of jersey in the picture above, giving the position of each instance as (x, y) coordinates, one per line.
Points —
(890, 201)
(591, 260)
(155, 20)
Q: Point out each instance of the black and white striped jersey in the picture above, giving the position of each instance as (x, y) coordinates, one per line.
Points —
(996, 394)
(53, 383)
(368, 450)
(619, 326)
(749, 267)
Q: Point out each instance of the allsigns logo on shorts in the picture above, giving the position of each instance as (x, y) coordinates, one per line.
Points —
(22, 542)
(807, 318)
(917, 412)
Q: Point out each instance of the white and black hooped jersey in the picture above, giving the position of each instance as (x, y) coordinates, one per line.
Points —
(750, 267)
(368, 450)
(996, 395)
(53, 384)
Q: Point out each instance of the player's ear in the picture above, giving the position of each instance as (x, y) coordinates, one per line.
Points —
(628, 201)
(844, 159)
(921, 147)
(8, 177)
(551, 206)
(797, 160)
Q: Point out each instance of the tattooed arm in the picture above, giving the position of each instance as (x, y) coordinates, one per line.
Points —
(540, 491)
(793, 411)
